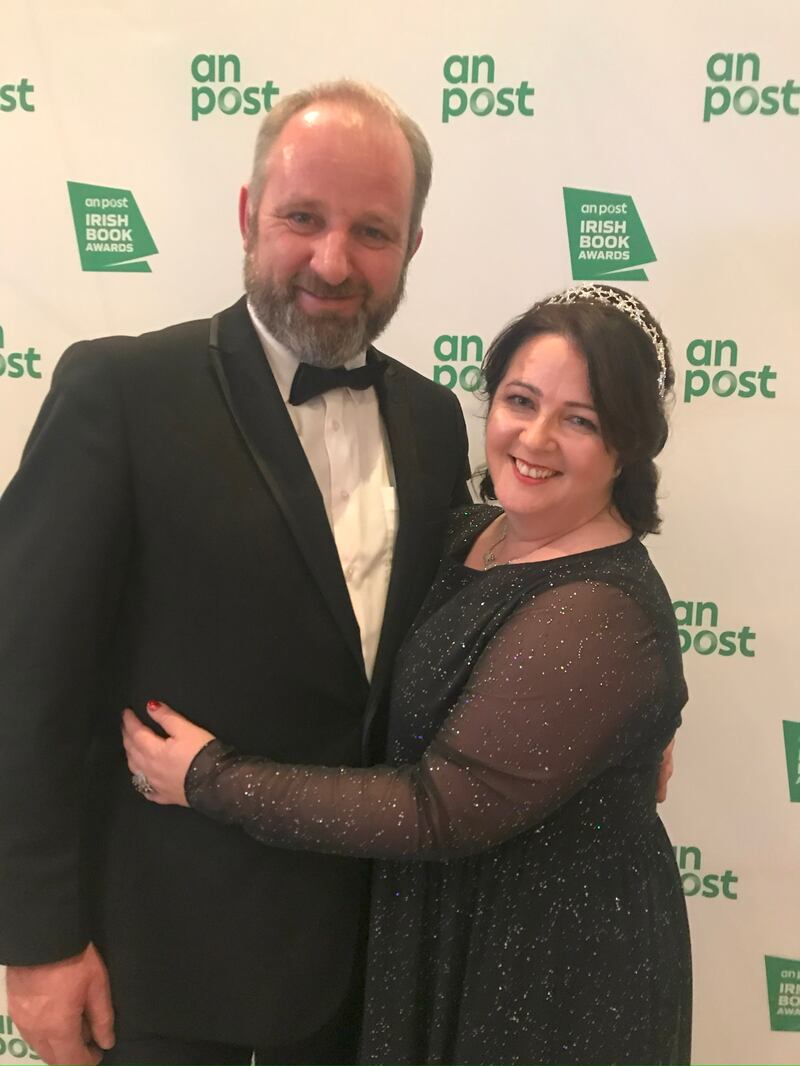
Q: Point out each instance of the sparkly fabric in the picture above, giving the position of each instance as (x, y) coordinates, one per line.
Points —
(530, 706)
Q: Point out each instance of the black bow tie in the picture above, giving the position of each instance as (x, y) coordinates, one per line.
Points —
(310, 381)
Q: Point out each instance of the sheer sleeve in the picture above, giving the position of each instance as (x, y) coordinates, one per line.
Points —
(571, 684)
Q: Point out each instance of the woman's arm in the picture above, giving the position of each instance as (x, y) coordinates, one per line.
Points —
(569, 686)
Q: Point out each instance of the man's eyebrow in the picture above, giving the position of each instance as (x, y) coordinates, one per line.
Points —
(292, 203)
(520, 384)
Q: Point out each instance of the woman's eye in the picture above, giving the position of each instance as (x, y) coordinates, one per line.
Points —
(584, 423)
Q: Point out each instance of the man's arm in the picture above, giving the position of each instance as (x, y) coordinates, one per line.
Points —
(666, 770)
(461, 494)
(64, 532)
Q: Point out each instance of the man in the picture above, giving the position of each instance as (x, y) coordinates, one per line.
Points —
(197, 520)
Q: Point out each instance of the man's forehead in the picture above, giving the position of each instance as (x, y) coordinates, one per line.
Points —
(332, 123)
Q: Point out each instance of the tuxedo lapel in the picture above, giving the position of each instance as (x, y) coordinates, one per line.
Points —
(402, 434)
(260, 413)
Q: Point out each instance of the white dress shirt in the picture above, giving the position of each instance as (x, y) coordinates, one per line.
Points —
(345, 443)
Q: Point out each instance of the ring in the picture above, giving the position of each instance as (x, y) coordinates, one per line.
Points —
(141, 784)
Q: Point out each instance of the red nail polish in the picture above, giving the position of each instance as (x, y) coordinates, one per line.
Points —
(153, 705)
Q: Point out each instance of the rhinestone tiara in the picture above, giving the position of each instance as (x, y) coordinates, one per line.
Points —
(629, 306)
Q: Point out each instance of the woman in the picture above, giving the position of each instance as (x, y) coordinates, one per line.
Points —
(530, 706)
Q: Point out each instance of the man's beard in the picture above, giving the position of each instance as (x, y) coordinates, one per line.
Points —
(327, 339)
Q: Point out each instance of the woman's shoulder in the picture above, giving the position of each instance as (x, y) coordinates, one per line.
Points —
(466, 524)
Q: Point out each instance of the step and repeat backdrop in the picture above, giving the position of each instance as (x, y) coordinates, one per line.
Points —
(653, 145)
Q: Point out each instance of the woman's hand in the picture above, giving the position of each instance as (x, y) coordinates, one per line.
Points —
(159, 764)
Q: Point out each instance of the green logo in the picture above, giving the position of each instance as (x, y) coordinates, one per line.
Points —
(18, 364)
(482, 101)
(783, 991)
(696, 883)
(729, 381)
(791, 739)
(209, 70)
(13, 96)
(12, 1044)
(724, 68)
(697, 631)
(606, 236)
(466, 352)
(112, 235)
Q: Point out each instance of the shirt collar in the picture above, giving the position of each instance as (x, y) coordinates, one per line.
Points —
(282, 361)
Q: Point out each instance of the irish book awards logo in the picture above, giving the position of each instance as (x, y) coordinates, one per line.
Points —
(607, 239)
(458, 361)
(736, 82)
(698, 631)
(19, 364)
(111, 233)
(218, 88)
(12, 1044)
(471, 87)
(17, 95)
(791, 740)
(714, 370)
(783, 992)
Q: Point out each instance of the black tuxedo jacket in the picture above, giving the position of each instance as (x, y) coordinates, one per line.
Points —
(166, 539)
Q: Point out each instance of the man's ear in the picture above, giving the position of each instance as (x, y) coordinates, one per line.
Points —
(417, 243)
(244, 221)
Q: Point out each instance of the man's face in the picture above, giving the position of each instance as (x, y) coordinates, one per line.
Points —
(327, 247)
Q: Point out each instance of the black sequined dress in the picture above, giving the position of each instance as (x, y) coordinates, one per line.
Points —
(527, 907)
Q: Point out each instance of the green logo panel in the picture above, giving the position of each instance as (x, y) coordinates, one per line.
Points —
(783, 990)
(607, 240)
(791, 740)
(111, 232)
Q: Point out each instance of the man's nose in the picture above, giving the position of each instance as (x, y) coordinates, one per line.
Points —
(331, 260)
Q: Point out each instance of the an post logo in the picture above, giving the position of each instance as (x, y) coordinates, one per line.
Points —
(735, 78)
(458, 361)
(696, 883)
(783, 992)
(17, 95)
(15, 365)
(698, 623)
(480, 95)
(714, 371)
(212, 71)
(791, 740)
(11, 1043)
(607, 239)
(111, 233)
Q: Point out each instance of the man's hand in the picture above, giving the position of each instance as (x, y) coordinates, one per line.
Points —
(665, 773)
(63, 1009)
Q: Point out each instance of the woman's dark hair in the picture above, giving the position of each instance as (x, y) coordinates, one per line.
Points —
(623, 370)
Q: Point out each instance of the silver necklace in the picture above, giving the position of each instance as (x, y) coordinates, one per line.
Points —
(490, 557)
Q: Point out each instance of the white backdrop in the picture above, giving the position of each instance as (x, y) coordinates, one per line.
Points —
(647, 102)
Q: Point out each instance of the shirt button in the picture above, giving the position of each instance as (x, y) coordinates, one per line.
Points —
(334, 425)
(349, 573)
(345, 494)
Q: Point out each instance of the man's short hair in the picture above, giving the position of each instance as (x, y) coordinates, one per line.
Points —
(365, 98)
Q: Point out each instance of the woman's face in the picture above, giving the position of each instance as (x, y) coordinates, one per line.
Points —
(543, 444)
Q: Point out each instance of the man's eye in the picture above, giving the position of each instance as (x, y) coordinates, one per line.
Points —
(301, 218)
(374, 235)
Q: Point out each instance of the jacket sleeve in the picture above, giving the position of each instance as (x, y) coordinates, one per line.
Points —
(461, 494)
(570, 687)
(64, 542)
